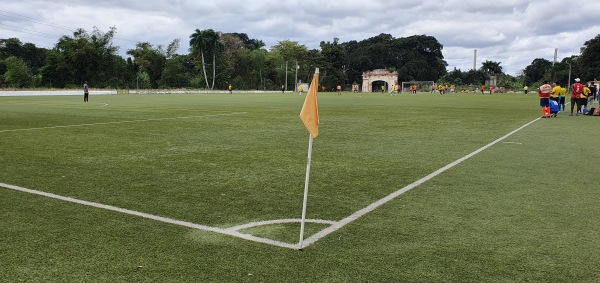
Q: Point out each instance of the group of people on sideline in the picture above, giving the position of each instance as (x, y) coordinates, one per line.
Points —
(553, 97)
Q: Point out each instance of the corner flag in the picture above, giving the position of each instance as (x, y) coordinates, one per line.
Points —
(310, 112)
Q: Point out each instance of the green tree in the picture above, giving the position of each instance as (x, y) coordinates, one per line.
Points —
(289, 53)
(17, 73)
(589, 61)
(151, 61)
(28, 52)
(178, 72)
(335, 63)
(83, 57)
(536, 70)
(454, 77)
(206, 43)
(491, 68)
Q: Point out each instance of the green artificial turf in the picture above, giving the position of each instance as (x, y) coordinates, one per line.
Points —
(523, 210)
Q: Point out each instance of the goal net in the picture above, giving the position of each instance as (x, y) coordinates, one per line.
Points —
(422, 86)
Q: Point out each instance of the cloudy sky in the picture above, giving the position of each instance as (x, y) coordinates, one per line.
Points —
(513, 32)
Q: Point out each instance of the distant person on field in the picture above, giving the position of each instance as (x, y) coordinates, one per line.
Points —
(432, 88)
(382, 88)
(397, 89)
(482, 89)
(491, 89)
(554, 108)
(592, 95)
(339, 89)
(525, 89)
(323, 88)
(392, 89)
(555, 94)
(563, 97)
(544, 92)
(583, 99)
(282, 88)
(575, 94)
(86, 92)
(300, 89)
(230, 89)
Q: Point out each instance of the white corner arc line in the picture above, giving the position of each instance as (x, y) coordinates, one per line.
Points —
(279, 221)
(155, 217)
(123, 122)
(319, 235)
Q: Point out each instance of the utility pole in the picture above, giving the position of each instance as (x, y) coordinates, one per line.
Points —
(296, 80)
(286, 69)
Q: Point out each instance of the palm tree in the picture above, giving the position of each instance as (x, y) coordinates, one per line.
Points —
(491, 68)
(206, 41)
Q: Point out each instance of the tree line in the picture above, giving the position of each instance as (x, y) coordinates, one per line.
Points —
(213, 60)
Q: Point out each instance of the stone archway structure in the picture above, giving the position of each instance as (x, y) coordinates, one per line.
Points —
(391, 78)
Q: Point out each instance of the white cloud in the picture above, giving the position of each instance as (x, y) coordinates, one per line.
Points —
(513, 32)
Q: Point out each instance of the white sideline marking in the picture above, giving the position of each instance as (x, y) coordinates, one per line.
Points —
(312, 239)
(229, 231)
(123, 122)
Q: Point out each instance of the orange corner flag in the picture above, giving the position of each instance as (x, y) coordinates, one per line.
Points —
(310, 112)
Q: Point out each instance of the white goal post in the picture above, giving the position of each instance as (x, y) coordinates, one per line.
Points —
(422, 86)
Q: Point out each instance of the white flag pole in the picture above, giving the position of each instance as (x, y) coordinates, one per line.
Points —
(310, 143)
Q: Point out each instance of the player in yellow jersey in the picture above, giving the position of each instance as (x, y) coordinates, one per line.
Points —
(555, 92)
(583, 98)
(562, 97)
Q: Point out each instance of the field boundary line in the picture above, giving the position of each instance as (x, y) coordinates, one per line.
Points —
(123, 122)
(233, 231)
(354, 216)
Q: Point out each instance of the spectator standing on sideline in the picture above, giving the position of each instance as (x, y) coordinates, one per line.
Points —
(592, 95)
(555, 94)
(563, 97)
(575, 94)
(525, 89)
(544, 92)
(86, 92)
(583, 99)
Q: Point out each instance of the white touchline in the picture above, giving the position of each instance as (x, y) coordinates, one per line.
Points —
(230, 232)
(123, 122)
(312, 239)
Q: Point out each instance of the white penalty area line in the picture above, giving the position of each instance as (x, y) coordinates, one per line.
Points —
(315, 237)
(123, 122)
